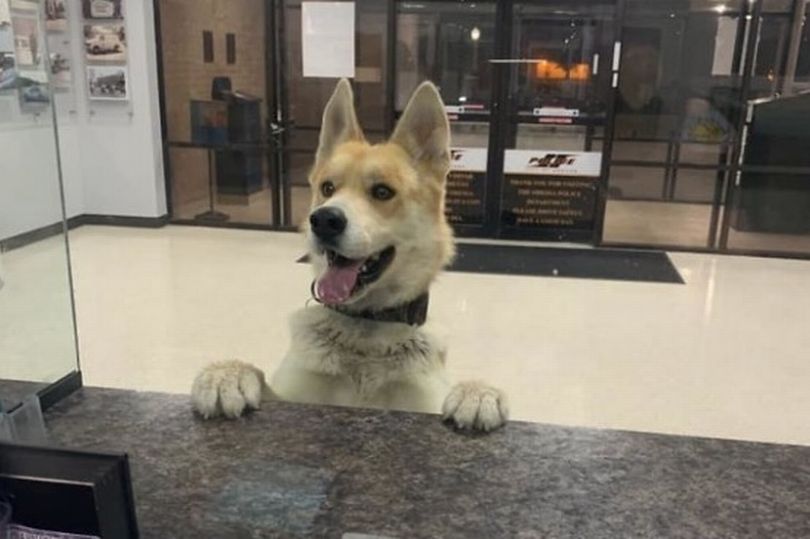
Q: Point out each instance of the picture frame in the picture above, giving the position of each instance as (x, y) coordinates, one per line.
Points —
(103, 9)
(25, 5)
(105, 43)
(8, 72)
(56, 16)
(28, 46)
(107, 83)
(5, 14)
(33, 90)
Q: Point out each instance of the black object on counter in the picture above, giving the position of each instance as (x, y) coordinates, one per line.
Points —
(778, 136)
(68, 491)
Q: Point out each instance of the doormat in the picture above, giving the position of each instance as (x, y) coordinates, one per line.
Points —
(608, 264)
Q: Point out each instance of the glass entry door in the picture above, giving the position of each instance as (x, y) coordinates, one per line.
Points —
(560, 73)
(453, 45)
(527, 87)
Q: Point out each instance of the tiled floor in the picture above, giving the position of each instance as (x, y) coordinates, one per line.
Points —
(726, 355)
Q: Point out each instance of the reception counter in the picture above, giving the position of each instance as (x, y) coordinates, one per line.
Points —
(291, 470)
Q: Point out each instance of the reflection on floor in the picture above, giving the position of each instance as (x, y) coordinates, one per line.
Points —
(724, 355)
(678, 223)
(255, 209)
(36, 323)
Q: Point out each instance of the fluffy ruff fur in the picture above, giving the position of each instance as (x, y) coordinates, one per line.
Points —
(389, 198)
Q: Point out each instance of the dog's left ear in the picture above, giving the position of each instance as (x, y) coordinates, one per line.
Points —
(423, 130)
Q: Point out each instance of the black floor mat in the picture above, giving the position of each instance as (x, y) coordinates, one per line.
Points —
(615, 264)
(611, 264)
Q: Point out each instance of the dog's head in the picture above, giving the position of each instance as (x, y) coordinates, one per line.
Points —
(377, 231)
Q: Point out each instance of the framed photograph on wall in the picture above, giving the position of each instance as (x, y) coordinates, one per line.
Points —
(55, 15)
(33, 90)
(107, 83)
(105, 42)
(8, 72)
(24, 5)
(27, 41)
(5, 14)
(103, 9)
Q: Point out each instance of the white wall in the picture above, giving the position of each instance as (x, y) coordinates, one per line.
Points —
(111, 155)
(121, 155)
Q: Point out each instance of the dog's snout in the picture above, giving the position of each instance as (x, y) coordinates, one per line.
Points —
(328, 223)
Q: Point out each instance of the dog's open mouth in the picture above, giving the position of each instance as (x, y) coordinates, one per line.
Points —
(344, 277)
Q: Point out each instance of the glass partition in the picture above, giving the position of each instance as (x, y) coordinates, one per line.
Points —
(677, 108)
(37, 334)
(453, 44)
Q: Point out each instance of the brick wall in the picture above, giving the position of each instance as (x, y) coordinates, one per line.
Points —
(187, 77)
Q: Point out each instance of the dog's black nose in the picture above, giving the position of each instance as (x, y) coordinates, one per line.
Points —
(328, 223)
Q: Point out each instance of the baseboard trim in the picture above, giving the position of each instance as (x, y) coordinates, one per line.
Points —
(32, 236)
(45, 232)
(60, 389)
(123, 220)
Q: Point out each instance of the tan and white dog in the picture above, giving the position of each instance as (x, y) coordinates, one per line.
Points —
(377, 239)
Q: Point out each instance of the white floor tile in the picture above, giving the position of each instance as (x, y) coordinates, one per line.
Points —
(725, 355)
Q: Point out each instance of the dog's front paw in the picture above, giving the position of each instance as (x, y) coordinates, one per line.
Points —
(227, 388)
(475, 405)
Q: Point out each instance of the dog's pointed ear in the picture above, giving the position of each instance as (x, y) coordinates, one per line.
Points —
(423, 130)
(339, 121)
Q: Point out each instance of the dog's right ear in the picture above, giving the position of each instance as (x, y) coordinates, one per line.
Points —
(339, 123)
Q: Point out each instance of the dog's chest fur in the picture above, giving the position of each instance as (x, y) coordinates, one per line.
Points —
(370, 354)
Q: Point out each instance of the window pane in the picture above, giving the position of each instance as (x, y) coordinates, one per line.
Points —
(636, 182)
(450, 43)
(669, 87)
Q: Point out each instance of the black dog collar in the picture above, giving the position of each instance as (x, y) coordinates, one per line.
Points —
(413, 313)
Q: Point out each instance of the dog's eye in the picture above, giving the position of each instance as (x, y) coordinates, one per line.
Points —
(327, 189)
(382, 192)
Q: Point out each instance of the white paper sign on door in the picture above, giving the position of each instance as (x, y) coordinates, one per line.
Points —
(327, 34)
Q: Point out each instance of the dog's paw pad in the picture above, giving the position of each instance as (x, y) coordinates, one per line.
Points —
(228, 389)
(474, 405)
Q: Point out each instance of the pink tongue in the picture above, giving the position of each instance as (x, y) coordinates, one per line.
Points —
(336, 284)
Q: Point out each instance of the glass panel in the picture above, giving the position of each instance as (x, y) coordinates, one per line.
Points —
(679, 85)
(772, 213)
(778, 134)
(560, 72)
(451, 44)
(639, 222)
(695, 185)
(704, 154)
(771, 52)
(669, 87)
(636, 182)
(37, 334)
(220, 185)
(636, 150)
(216, 112)
(564, 61)
(307, 96)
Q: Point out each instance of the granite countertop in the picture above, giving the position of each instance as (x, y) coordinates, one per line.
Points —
(292, 470)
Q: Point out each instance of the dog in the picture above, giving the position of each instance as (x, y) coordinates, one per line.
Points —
(377, 238)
